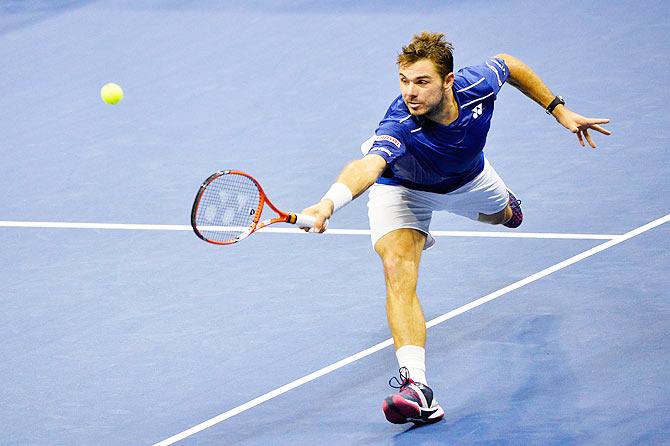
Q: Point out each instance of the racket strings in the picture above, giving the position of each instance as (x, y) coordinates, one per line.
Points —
(228, 207)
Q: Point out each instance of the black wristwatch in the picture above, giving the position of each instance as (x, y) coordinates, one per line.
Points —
(557, 100)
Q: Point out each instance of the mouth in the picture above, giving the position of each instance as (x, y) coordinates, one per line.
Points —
(413, 105)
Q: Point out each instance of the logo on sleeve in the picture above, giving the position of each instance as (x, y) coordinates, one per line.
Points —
(477, 111)
(388, 138)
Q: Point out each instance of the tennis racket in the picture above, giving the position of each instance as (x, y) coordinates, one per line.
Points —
(229, 205)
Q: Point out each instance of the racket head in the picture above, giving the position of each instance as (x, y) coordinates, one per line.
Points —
(227, 207)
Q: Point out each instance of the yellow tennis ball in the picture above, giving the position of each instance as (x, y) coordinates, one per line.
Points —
(111, 93)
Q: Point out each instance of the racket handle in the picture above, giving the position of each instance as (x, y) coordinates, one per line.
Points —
(303, 220)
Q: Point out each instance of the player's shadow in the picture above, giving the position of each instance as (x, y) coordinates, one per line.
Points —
(525, 400)
(430, 434)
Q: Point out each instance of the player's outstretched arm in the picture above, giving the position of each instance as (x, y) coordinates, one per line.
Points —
(523, 78)
(354, 179)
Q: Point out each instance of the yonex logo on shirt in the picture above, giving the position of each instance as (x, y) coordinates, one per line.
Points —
(477, 111)
(388, 138)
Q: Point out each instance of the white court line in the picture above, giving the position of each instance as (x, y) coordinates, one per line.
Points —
(147, 227)
(438, 320)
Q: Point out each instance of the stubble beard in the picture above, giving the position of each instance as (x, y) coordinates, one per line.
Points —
(431, 112)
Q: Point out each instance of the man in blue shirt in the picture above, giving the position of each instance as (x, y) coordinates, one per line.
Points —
(427, 155)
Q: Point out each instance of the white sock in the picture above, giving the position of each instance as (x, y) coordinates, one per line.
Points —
(414, 358)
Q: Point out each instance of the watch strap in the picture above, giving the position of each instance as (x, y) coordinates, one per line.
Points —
(557, 100)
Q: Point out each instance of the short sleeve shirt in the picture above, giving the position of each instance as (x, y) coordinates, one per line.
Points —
(425, 155)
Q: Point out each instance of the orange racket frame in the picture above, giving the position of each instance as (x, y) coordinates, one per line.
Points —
(305, 221)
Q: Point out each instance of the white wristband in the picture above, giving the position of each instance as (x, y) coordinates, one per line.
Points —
(339, 194)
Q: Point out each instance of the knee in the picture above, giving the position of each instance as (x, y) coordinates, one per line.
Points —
(401, 273)
(397, 264)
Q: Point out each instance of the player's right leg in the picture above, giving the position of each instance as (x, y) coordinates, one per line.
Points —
(399, 220)
(400, 251)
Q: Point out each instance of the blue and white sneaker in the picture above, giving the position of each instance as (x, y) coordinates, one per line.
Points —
(414, 402)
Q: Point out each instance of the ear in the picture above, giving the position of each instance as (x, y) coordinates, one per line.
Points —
(448, 81)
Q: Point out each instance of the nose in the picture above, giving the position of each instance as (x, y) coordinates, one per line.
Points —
(410, 90)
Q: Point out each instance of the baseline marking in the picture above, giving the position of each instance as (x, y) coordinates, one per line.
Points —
(147, 227)
(438, 320)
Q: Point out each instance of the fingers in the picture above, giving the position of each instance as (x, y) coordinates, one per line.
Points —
(602, 130)
(585, 134)
(588, 138)
(320, 225)
(316, 228)
(592, 123)
(321, 212)
(581, 125)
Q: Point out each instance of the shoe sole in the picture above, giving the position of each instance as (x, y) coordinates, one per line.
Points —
(398, 410)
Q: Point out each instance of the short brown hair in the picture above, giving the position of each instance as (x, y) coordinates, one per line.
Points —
(431, 46)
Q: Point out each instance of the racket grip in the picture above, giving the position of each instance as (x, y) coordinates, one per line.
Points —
(304, 221)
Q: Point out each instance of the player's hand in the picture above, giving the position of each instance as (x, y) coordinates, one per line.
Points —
(321, 211)
(580, 125)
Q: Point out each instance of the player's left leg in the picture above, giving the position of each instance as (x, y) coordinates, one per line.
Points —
(498, 218)
(487, 199)
(511, 216)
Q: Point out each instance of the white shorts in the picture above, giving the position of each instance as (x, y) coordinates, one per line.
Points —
(395, 207)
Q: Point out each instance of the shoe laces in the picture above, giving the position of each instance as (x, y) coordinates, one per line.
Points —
(514, 202)
(403, 381)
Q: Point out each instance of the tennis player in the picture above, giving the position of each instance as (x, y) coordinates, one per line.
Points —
(427, 155)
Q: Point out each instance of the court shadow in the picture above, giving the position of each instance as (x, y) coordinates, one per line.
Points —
(17, 14)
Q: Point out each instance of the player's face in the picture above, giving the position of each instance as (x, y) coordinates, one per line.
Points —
(422, 88)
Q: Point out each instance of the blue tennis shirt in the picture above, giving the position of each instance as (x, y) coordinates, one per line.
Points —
(424, 155)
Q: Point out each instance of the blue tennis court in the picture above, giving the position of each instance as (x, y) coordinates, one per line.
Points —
(119, 326)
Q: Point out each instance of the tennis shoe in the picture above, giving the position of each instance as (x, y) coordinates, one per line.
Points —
(413, 403)
(517, 214)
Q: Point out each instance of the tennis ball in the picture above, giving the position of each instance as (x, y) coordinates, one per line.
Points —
(111, 93)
